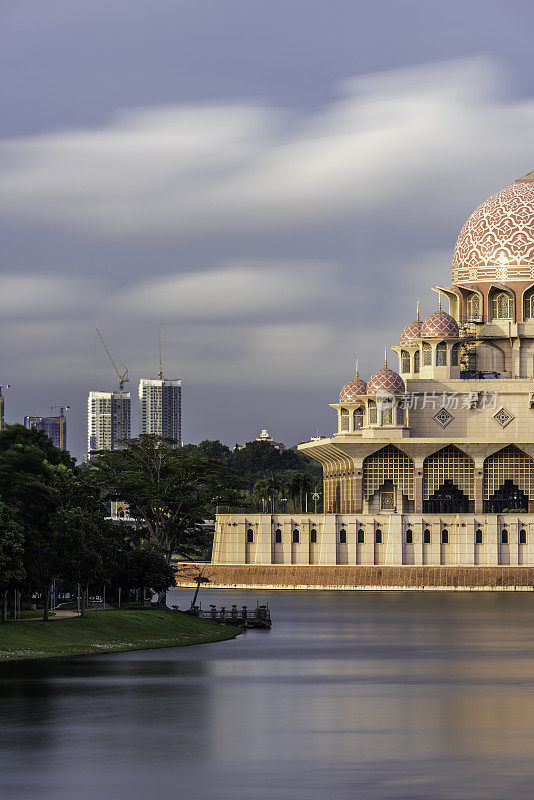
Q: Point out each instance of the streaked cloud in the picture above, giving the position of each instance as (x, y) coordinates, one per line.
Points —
(196, 170)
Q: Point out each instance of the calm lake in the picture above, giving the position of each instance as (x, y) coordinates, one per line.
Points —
(396, 696)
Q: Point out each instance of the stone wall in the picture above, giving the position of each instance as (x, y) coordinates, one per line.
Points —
(362, 578)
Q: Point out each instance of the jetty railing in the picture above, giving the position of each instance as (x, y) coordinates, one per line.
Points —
(259, 617)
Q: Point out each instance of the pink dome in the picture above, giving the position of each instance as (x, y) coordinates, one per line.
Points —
(497, 241)
(352, 391)
(386, 381)
(411, 331)
(440, 324)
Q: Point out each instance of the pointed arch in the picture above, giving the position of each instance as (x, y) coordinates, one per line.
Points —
(508, 464)
(449, 464)
(501, 303)
(527, 302)
(388, 464)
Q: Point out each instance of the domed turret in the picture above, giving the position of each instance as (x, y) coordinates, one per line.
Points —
(440, 324)
(385, 380)
(413, 330)
(497, 241)
(353, 390)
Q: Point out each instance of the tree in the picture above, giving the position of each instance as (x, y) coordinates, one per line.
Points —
(168, 489)
(267, 490)
(12, 571)
(147, 568)
(299, 485)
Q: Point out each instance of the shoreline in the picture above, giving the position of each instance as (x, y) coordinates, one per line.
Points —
(103, 632)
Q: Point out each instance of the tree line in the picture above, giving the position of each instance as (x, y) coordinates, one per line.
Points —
(56, 534)
(55, 530)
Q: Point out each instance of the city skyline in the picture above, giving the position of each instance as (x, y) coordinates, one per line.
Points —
(241, 200)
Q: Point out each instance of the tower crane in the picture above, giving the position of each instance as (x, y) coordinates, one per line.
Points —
(122, 378)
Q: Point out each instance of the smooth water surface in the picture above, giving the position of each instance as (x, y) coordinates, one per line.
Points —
(350, 695)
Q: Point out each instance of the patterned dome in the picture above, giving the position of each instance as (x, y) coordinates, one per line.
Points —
(440, 324)
(497, 241)
(352, 391)
(386, 381)
(411, 331)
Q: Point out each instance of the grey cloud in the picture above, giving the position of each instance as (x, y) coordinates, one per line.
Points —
(201, 169)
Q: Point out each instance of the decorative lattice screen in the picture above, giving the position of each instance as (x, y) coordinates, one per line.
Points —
(449, 464)
(388, 464)
(508, 464)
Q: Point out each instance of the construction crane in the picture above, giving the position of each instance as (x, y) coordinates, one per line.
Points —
(122, 378)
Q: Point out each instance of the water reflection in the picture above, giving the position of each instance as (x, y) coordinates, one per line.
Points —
(366, 695)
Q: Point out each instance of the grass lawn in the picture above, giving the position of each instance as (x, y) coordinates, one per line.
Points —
(111, 631)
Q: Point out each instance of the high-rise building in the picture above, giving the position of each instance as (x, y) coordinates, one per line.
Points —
(108, 420)
(54, 427)
(160, 407)
(2, 406)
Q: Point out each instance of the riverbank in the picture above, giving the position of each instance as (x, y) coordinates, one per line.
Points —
(358, 577)
(110, 631)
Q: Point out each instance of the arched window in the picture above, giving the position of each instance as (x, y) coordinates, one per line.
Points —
(416, 361)
(387, 415)
(502, 306)
(528, 304)
(427, 355)
(344, 419)
(342, 536)
(455, 355)
(473, 307)
(250, 535)
(400, 414)
(357, 418)
(371, 408)
(405, 361)
(441, 355)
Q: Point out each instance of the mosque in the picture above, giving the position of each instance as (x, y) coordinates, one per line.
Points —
(432, 463)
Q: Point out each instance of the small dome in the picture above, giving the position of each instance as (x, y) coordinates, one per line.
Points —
(411, 331)
(440, 324)
(352, 391)
(385, 380)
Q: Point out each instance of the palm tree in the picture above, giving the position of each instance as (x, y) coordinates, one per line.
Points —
(267, 489)
(301, 483)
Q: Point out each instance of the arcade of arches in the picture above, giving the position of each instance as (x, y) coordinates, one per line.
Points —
(447, 481)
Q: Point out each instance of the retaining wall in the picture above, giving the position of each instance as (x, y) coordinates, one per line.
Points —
(245, 576)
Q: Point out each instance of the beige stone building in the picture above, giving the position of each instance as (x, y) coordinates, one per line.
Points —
(432, 463)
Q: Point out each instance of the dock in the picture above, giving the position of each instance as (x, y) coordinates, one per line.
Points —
(243, 617)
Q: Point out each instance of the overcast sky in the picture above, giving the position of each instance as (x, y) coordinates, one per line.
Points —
(277, 182)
